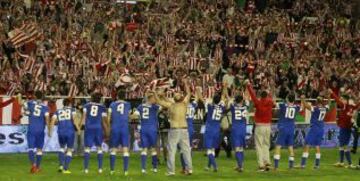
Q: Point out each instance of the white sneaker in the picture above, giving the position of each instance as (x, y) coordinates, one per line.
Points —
(154, 170)
(126, 173)
(170, 174)
(100, 171)
(112, 172)
(338, 164)
(351, 166)
(143, 171)
(86, 171)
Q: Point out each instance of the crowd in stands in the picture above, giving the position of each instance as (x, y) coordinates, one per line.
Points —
(77, 47)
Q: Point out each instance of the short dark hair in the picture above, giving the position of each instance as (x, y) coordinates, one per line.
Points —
(216, 98)
(39, 95)
(121, 94)
(66, 102)
(263, 94)
(291, 97)
(239, 98)
(96, 97)
(345, 96)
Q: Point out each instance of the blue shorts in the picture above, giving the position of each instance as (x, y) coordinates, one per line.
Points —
(344, 136)
(211, 139)
(66, 140)
(93, 137)
(238, 136)
(148, 138)
(119, 137)
(314, 137)
(36, 140)
(285, 137)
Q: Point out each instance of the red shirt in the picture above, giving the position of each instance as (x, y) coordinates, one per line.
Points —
(345, 112)
(263, 113)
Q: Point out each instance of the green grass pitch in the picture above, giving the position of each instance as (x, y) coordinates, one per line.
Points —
(15, 167)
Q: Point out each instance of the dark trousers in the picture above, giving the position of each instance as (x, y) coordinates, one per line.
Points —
(225, 143)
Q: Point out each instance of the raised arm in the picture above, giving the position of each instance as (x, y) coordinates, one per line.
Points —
(251, 92)
(5, 103)
(198, 95)
(305, 104)
(188, 92)
(161, 102)
(337, 99)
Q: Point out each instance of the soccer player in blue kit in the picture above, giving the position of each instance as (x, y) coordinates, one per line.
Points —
(286, 127)
(215, 112)
(118, 119)
(64, 118)
(315, 134)
(239, 111)
(38, 114)
(190, 115)
(94, 118)
(147, 113)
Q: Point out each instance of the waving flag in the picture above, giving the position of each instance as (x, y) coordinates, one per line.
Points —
(23, 35)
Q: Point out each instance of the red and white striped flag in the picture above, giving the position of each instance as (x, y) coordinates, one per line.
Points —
(160, 83)
(11, 114)
(25, 34)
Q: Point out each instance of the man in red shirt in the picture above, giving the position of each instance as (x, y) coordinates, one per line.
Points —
(345, 114)
(263, 116)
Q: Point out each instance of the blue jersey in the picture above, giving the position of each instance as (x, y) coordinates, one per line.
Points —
(238, 116)
(119, 115)
(36, 112)
(214, 115)
(148, 116)
(287, 114)
(94, 112)
(65, 117)
(317, 116)
(190, 112)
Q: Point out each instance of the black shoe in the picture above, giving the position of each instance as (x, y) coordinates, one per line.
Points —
(353, 151)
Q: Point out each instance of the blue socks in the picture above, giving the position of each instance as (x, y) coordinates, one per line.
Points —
(100, 157)
(31, 155)
(239, 158)
(212, 161)
(38, 159)
(291, 162)
(276, 161)
(112, 161)
(342, 154)
(317, 160)
(86, 160)
(348, 157)
(154, 160)
(68, 158)
(61, 156)
(143, 160)
(303, 159)
(126, 162)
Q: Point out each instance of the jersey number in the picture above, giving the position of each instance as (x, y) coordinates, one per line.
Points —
(217, 114)
(322, 115)
(240, 114)
(37, 110)
(64, 115)
(190, 112)
(145, 113)
(94, 111)
(290, 113)
(120, 108)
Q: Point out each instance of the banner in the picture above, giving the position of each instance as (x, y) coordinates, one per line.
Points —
(13, 139)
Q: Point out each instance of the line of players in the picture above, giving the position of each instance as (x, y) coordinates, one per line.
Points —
(96, 118)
